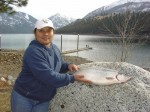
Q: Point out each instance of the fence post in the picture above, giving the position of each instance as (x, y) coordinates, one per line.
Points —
(0, 43)
(61, 42)
(78, 42)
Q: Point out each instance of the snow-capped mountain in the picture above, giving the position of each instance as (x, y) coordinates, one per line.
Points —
(23, 23)
(120, 7)
(120, 2)
(60, 21)
(18, 23)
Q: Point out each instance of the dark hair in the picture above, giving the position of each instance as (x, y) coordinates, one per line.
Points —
(34, 31)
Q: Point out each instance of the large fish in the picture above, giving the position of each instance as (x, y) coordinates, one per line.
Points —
(103, 76)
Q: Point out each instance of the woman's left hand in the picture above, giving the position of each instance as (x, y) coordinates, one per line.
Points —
(73, 67)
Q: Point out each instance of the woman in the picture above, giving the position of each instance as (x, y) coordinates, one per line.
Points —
(43, 71)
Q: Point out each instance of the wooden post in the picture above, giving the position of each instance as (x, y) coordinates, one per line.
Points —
(78, 42)
(0, 42)
(61, 42)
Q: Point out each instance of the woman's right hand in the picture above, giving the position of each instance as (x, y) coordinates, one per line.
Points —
(80, 78)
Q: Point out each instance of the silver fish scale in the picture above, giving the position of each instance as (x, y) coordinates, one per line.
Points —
(97, 72)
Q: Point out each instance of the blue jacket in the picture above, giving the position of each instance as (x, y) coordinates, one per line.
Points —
(42, 72)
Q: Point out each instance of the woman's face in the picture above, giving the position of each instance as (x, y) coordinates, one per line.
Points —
(44, 35)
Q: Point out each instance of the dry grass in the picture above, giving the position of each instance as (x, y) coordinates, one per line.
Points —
(5, 91)
(5, 101)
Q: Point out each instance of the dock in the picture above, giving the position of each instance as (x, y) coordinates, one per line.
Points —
(87, 47)
(76, 50)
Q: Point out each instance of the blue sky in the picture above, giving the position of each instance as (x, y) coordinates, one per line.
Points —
(70, 8)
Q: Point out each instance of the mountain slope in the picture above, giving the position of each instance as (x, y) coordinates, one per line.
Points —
(23, 23)
(121, 2)
(60, 21)
(18, 23)
(120, 7)
(139, 23)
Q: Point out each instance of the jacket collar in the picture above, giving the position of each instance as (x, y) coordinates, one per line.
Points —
(35, 42)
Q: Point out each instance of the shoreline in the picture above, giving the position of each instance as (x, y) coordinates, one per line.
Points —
(96, 34)
(100, 34)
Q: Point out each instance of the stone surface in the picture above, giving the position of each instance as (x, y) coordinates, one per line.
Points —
(133, 96)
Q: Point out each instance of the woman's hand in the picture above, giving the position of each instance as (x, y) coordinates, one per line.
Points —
(80, 78)
(73, 67)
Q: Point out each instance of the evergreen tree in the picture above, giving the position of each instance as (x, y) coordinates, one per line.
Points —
(7, 6)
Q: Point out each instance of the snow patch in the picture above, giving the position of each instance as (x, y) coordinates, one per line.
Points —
(1, 18)
(146, 9)
(27, 16)
(120, 2)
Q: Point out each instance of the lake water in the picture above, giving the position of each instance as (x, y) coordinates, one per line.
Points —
(102, 51)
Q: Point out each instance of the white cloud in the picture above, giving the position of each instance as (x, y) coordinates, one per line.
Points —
(71, 8)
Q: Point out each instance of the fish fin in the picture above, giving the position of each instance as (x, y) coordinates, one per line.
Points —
(109, 78)
(129, 78)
